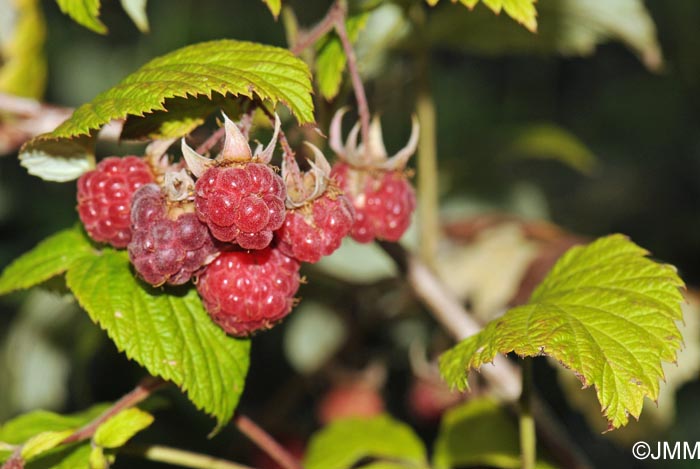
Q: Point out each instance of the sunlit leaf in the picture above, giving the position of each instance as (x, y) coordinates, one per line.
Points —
(522, 11)
(169, 333)
(344, 443)
(84, 12)
(605, 311)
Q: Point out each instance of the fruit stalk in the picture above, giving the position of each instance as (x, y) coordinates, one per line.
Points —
(528, 442)
(265, 442)
(179, 457)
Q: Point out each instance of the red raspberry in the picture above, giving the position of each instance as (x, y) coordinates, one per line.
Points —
(164, 250)
(348, 401)
(383, 201)
(317, 228)
(242, 204)
(104, 198)
(245, 291)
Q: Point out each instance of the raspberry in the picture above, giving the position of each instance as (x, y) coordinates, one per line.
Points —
(383, 201)
(242, 204)
(317, 228)
(238, 195)
(164, 250)
(348, 401)
(104, 198)
(375, 183)
(245, 291)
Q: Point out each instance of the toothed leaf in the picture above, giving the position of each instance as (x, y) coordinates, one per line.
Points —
(168, 332)
(605, 311)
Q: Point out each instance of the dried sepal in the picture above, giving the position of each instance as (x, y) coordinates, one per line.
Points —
(196, 163)
(264, 156)
(178, 185)
(236, 147)
(373, 152)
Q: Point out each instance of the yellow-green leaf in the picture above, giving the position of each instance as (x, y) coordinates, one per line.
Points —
(478, 433)
(119, 429)
(22, 59)
(274, 6)
(43, 442)
(605, 311)
(168, 332)
(522, 11)
(344, 443)
(51, 257)
(84, 12)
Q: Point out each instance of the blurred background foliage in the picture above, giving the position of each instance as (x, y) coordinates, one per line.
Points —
(604, 138)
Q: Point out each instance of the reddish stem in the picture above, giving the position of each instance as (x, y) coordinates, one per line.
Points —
(212, 140)
(144, 389)
(322, 28)
(265, 442)
(360, 96)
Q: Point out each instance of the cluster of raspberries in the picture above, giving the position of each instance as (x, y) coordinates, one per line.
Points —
(237, 227)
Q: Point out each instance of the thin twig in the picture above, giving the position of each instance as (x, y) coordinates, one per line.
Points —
(212, 140)
(179, 457)
(322, 28)
(449, 312)
(359, 89)
(528, 440)
(503, 376)
(144, 389)
(265, 442)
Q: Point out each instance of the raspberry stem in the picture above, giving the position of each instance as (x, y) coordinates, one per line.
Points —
(143, 390)
(179, 457)
(265, 442)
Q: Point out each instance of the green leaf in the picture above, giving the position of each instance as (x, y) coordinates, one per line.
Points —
(475, 434)
(522, 11)
(169, 333)
(43, 442)
(227, 67)
(84, 12)
(51, 257)
(119, 429)
(97, 459)
(346, 442)
(605, 311)
(21, 428)
(330, 57)
(22, 58)
(136, 9)
(567, 27)
(58, 161)
(274, 6)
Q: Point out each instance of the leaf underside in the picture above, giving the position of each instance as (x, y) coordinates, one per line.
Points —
(605, 311)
